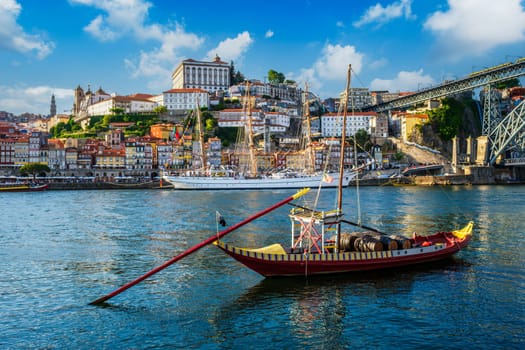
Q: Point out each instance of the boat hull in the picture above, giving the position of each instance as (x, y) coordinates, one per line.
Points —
(233, 183)
(443, 246)
(23, 188)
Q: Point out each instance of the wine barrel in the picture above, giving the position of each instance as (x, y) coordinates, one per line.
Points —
(388, 243)
(346, 240)
(367, 243)
(402, 242)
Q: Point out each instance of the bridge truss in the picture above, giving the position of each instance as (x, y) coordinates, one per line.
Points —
(509, 134)
(504, 133)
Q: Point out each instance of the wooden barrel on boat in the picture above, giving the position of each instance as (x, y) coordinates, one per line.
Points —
(388, 243)
(368, 243)
(347, 240)
(402, 242)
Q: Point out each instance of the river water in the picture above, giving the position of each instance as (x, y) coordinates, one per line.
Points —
(62, 249)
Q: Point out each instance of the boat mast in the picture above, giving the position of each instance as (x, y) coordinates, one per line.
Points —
(251, 146)
(342, 159)
(201, 136)
(309, 155)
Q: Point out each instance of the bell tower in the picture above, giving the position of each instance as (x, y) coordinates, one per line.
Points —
(53, 109)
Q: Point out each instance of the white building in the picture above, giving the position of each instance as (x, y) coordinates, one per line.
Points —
(183, 99)
(332, 123)
(210, 76)
(140, 103)
(277, 122)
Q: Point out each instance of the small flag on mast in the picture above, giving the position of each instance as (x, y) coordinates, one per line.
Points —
(327, 178)
(220, 219)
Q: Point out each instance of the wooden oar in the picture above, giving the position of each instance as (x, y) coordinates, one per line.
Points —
(342, 220)
(199, 246)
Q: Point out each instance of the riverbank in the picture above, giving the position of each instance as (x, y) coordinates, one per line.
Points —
(103, 185)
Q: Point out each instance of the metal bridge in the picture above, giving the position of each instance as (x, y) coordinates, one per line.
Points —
(504, 133)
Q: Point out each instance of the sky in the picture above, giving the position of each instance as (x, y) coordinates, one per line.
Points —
(133, 46)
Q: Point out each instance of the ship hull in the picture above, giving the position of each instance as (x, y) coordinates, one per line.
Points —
(441, 246)
(233, 183)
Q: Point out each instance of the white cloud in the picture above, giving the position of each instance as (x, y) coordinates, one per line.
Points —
(269, 33)
(333, 65)
(473, 27)
(128, 18)
(14, 38)
(35, 99)
(99, 30)
(232, 49)
(405, 81)
(328, 73)
(340, 24)
(381, 15)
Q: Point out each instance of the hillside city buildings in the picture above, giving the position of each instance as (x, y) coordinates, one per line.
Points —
(276, 114)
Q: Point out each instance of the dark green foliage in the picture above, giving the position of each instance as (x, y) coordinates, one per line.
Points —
(363, 140)
(275, 77)
(447, 119)
(236, 77)
(34, 169)
(228, 136)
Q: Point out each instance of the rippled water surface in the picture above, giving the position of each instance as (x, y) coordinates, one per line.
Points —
(62, 249)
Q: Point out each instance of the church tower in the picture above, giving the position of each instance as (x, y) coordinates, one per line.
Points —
(53, 109)
(79, 97)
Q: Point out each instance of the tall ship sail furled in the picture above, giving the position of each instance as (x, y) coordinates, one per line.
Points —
(247, 173)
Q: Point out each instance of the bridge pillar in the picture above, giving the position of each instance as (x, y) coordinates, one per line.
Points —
(481, 150)
(455, 144)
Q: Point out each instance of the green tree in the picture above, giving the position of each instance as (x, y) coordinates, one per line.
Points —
(236, 77)
(275, 77)
(34, 169)
(117, 110)
(447, 119)
(363, 139)
(211, 124)
(160, 109)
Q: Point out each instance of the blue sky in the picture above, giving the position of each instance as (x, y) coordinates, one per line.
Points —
(131, 46)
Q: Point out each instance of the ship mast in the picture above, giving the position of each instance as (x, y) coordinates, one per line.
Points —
(201, 137)
(251, 146)
(309, 155)
(342, 158)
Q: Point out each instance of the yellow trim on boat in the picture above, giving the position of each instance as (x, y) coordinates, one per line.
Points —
(271, 249)
(464, 232)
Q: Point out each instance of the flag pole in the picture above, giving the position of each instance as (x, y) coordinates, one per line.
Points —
(199, 246)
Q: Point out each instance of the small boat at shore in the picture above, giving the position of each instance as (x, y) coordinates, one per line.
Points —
(22, 187)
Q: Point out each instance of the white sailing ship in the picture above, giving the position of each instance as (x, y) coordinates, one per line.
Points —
(223, 178)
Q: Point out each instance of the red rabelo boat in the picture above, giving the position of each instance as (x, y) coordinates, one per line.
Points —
(314, 252)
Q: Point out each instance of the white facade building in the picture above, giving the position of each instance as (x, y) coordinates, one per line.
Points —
(277, 122)
(210, 76)
(129, 104)
(332, 123)
(183, 99)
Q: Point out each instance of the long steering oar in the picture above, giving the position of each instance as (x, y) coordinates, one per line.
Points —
(199, 246)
